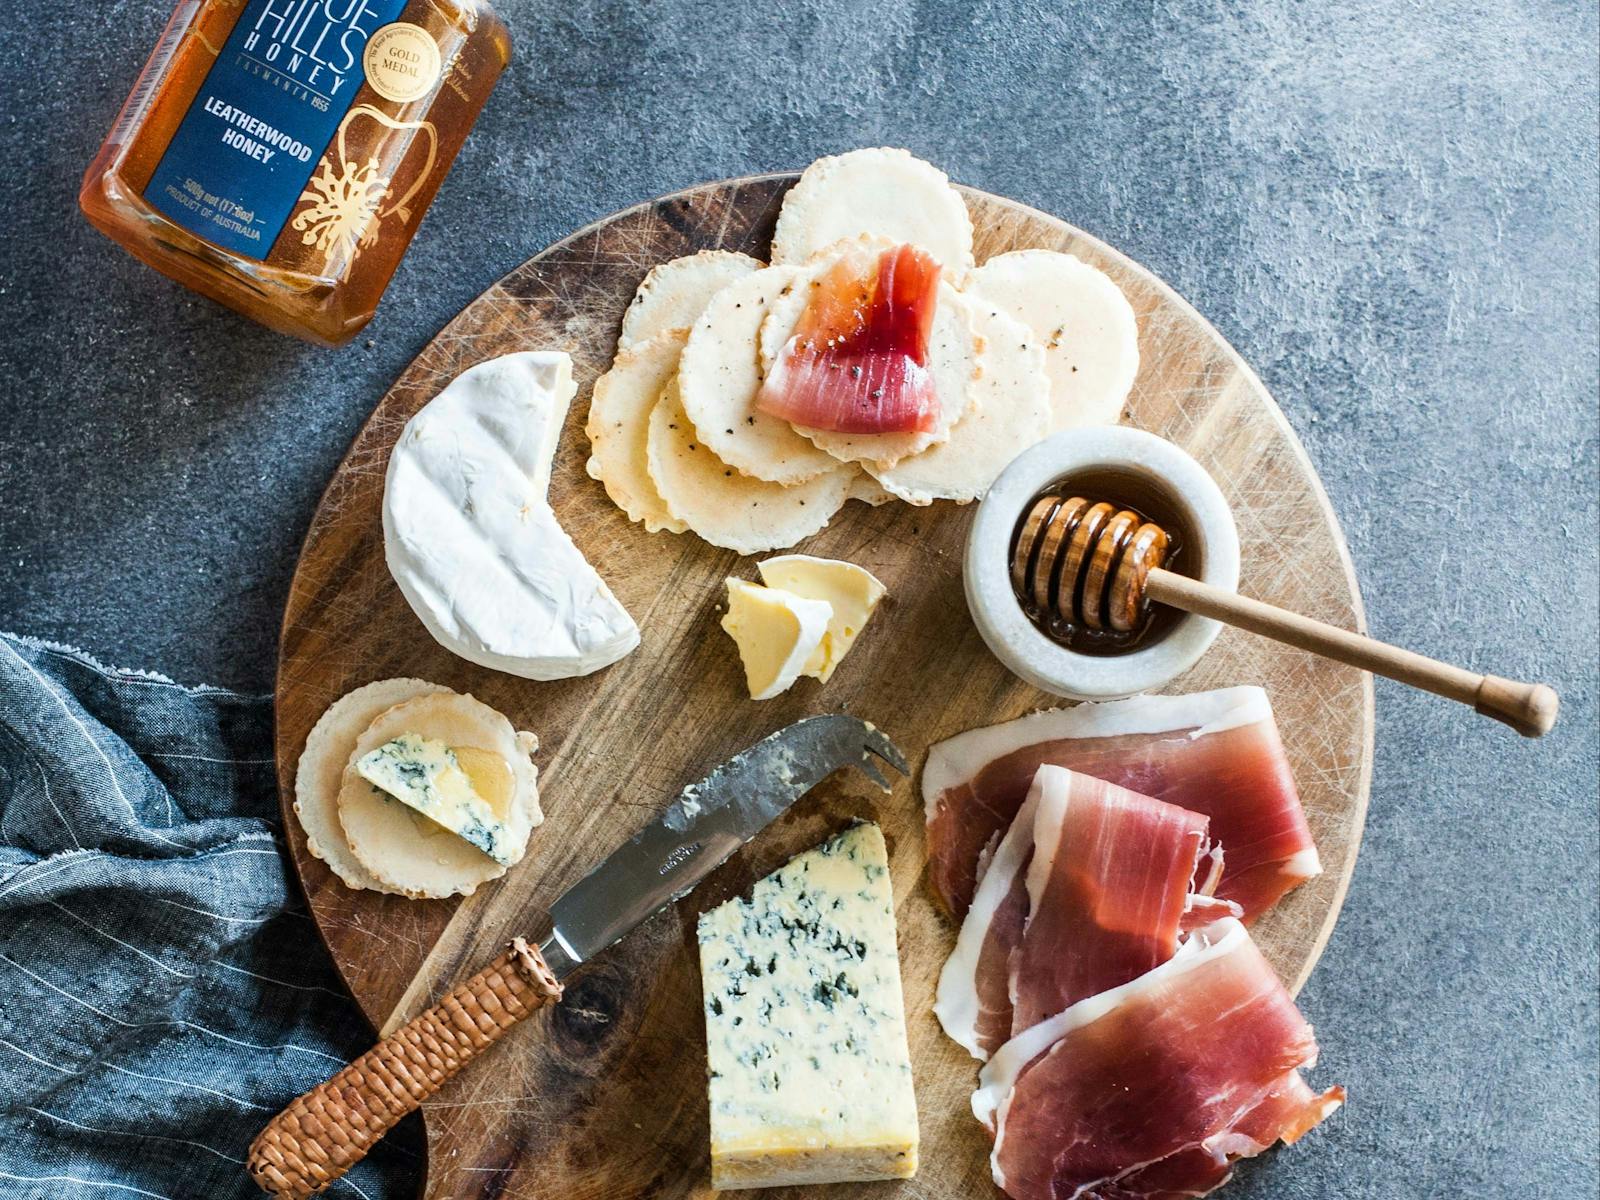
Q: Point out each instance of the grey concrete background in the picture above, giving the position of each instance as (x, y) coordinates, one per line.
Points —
(1389, 208)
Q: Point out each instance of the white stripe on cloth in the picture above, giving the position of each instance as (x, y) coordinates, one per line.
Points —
(205, 758)
(119, 941)
(125, 1187)
(36, 1058)
(143, 1135)
(199, 1087)
(30, 872)
(111, 770)
(83, 658)
(298, 987)
(165, 1024)
(44, 781)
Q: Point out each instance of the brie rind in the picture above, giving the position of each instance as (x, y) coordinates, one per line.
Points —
(777, 634)
(470, 540)
(849, 591)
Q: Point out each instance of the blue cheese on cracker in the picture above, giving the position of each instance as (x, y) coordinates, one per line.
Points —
(465, 790)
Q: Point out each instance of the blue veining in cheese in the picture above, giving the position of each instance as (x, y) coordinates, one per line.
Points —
(430, 777)
(810, 1075)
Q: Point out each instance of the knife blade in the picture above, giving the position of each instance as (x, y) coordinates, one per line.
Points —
(707, 822)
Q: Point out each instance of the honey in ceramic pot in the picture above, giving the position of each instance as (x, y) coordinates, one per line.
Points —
(278, 155)
(1150, 501)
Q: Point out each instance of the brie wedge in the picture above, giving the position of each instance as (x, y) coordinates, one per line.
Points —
(473, 544)
(851, 593)
(777, 634)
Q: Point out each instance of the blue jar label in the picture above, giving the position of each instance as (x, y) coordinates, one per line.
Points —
(271, 103)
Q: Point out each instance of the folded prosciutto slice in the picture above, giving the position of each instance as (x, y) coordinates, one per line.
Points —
(1216, 753)
(1152, 1090)
(1107, 889)
(1088, 889)
(858, 360)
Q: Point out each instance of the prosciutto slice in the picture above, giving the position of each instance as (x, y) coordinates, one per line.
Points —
(1215, 753)
(1152, 1090)
(1107, 890)
(858, 360)
(1088, 889)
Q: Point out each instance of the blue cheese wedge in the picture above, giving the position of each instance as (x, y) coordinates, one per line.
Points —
(810, 1074)
(465, 790)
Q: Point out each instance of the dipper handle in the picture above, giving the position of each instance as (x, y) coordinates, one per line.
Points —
(1529, 708)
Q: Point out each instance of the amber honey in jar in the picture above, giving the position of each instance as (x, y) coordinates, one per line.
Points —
(278, 155)
(1149, 501)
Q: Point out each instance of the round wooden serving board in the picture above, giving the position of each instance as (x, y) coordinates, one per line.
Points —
(604, 1097)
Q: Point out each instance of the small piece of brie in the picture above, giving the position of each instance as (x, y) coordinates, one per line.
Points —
(851, 593)
(472, 542)
(465, 790)
(777, 633)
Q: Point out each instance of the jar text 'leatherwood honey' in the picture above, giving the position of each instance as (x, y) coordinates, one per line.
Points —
(278, 155)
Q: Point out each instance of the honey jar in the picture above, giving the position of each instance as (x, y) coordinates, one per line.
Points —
(278, 155)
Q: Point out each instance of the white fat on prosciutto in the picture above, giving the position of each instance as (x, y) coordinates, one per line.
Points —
(1088, 889)
(1216, 753)
(1151, 1091)
(974, 997)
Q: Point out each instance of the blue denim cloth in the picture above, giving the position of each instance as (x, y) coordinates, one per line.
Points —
(162, 991)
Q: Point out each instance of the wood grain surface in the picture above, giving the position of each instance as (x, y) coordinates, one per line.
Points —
(604, 1096)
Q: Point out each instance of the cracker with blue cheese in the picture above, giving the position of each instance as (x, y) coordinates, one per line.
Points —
(440, 794)
(320, 773)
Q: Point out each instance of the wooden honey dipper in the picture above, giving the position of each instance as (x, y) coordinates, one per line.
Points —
(1101, 567)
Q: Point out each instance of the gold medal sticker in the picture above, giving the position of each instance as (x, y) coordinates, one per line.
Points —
(401, 62)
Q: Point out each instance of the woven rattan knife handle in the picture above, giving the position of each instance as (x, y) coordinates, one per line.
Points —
(328, 1130)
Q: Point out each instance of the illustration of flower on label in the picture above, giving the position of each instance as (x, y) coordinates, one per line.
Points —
(343, 205)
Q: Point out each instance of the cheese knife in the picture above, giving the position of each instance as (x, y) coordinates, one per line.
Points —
(328, 1130)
